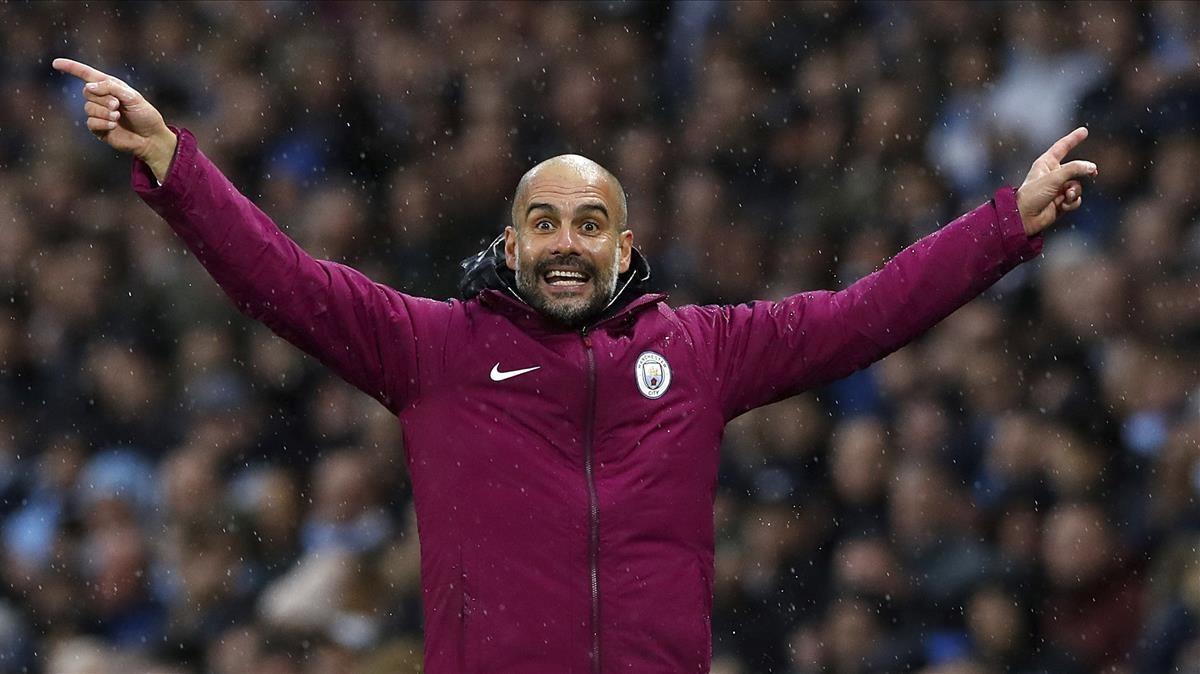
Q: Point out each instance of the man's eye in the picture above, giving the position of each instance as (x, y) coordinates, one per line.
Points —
(543, 225)
(591, 227)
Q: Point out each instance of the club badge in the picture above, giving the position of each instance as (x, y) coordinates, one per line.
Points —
(653, 374)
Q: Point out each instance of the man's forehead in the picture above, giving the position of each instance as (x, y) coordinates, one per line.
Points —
(570, 176)
(567, 178)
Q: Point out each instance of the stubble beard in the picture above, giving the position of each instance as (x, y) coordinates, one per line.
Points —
(571, 312)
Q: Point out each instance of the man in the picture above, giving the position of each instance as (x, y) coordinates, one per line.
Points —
(562, 425)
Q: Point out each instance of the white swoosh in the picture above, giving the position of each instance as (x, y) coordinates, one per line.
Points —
(497, 375)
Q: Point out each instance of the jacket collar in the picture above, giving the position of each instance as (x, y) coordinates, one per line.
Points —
(516, 307)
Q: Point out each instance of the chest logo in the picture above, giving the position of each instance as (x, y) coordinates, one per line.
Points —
(653, 374)
(497, 375)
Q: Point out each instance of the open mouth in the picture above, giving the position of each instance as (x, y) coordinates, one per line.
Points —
(565, 278)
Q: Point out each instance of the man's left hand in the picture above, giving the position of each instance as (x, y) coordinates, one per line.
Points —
(1053, 188)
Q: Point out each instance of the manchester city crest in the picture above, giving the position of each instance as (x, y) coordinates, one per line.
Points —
(653, 374)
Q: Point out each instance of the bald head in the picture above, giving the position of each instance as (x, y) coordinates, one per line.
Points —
(572, 168)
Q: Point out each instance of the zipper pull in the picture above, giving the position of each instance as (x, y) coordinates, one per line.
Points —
(587, 339)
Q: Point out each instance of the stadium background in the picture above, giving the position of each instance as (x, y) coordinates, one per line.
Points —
(1016, 492)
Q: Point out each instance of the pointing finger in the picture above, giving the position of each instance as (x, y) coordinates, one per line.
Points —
(1063, 146)
(80, 70)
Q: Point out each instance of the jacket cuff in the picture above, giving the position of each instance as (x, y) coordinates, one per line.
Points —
(1017, 244)
(174, 186)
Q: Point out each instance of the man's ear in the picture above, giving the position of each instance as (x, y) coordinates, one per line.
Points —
(626, 244)
(510, 247)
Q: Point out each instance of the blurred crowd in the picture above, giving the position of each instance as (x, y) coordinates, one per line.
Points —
(182, 492)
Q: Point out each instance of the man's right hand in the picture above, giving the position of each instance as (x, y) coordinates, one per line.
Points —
(121, 117)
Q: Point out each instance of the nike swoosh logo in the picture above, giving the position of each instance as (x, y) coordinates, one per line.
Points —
(497, 375)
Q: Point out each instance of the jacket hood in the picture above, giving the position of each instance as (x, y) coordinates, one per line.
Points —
(486, 270)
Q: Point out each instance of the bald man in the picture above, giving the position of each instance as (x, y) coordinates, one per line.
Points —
(562, 423)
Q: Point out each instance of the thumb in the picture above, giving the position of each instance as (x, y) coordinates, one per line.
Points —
(1040, 191)
(1072, 170)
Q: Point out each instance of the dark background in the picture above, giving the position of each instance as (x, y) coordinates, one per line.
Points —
(1016, 492)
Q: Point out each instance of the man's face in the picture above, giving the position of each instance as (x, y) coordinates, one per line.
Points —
(566, 245)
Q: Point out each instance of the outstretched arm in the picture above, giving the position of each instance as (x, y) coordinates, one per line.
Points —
(365, 332)
(765, 351)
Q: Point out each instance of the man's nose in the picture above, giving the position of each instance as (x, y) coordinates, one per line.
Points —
(565, 240)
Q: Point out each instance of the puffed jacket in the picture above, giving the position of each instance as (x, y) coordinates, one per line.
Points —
(564, 479)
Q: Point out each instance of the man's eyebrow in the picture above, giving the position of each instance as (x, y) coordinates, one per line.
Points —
(595, 206)
(539, 205)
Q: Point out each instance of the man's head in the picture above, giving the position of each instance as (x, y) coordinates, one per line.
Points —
(568, 240)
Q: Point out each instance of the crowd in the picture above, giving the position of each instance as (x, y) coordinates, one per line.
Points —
(182, 492)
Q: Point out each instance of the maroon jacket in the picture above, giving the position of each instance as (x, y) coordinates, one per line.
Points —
(566, 512)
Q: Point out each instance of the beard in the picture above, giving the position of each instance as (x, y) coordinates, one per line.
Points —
(575, 309)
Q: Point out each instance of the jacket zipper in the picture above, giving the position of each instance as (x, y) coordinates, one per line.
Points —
(593, 500)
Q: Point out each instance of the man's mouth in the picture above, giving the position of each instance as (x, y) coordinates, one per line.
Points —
(565, 278)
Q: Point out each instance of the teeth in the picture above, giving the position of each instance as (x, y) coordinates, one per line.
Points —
(563, 277)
